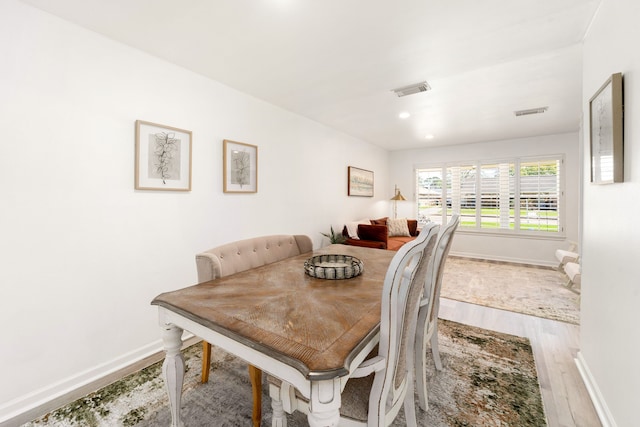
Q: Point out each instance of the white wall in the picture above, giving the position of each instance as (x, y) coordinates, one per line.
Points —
(82, 253)
(498, 247)
(610, 337)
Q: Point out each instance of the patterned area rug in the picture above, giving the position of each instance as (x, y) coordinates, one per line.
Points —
(536, 291)
(488, 379)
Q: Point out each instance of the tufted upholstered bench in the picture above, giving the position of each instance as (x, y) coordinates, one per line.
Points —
(239, 256)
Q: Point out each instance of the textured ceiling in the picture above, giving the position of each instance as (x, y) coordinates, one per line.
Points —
(336, 61)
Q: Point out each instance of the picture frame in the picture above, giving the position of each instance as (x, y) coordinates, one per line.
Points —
(163, 157)
(606, 128)
(360, 182)
(240, 167)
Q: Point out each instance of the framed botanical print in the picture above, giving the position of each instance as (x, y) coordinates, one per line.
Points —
(240, 167)
(606, 127)
(163, 157)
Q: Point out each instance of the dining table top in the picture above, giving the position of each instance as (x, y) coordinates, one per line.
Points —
(315, 325)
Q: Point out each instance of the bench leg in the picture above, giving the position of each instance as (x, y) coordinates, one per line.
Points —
(206, 361)
(255, 375)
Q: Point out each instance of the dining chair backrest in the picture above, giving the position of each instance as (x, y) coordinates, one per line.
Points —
(445, 238)
(427, 325)
(403, 287)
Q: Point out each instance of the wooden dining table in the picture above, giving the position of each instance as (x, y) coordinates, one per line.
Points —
(307, 331)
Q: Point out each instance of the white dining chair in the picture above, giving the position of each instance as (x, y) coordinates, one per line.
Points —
(376, 391)
(427, 325)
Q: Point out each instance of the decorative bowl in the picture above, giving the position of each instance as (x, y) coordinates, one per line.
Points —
(333, 266)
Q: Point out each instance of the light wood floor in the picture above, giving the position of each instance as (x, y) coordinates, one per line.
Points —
(555, 346)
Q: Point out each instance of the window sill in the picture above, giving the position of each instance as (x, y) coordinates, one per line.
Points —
(512, 234)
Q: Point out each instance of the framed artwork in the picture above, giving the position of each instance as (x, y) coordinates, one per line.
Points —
(360, 182)
(606, 132)
(240, 167)
(163, 157)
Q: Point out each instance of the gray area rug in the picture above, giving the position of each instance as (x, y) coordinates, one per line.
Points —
(488, 379)
(535, 291)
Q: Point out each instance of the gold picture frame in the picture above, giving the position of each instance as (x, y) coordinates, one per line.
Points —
(163, 157)
(240, 167)
(606, 128)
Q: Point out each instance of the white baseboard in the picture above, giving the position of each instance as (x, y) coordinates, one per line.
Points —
(40, 402)
(596, 397)
(504, 259)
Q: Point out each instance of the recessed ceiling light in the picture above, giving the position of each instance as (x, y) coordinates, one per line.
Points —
(429, 136)
(404, 115)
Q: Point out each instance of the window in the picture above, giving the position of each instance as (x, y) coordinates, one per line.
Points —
(539, 195)
(497, 184)
(430, 196)
(515, 196)
(462, 190)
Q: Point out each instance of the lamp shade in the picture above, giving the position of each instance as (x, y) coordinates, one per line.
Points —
(398, 195)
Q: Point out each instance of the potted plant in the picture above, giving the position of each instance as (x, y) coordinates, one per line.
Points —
(334, 237)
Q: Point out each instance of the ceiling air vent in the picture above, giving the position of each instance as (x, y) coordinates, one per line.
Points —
(411, 89)
(530, 111)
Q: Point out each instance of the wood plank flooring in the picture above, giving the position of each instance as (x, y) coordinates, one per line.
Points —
(555, 346)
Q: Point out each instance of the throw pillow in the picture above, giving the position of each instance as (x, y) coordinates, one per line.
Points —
(413, 227)
(381, 221)
(398, 227)
(377, 233)
(352, 227)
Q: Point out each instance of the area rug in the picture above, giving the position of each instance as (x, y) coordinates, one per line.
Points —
(536, 291)
(488, 379)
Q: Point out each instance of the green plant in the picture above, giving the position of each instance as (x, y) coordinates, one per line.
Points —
(334, 237)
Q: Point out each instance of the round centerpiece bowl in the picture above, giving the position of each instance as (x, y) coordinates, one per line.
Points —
(333, 266)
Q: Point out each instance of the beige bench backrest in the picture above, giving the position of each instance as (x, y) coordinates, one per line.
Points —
(250, 253)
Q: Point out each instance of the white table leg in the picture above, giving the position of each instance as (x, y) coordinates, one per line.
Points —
(173, 370)
(278, 417)
(324, 406)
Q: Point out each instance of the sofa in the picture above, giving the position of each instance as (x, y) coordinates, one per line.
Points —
(382, 233)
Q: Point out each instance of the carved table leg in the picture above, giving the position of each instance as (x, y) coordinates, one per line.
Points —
(278, 417)
(173, 370)
(324, 406)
